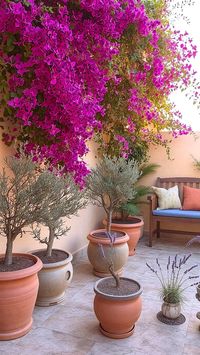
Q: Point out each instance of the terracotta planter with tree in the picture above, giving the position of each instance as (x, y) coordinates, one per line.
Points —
(117, 303)
(63, 200)
(20, 204)
(110, 185)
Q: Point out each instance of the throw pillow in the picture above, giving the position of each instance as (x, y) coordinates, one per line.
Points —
(167, 198)
(191, 198)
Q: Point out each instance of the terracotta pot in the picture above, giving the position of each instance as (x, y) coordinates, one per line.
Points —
(171, 310)
(118, 254)
(53, 281)
(117, 315)
(18, 292)
(133, 227)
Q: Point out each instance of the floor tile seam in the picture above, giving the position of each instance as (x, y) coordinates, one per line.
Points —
(126, 347)
(58, 331)
(70, 333)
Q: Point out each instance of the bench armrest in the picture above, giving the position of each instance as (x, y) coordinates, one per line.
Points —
(152, 201)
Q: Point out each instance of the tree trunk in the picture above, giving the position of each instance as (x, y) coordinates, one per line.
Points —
(50, 243)
(8, 255)
(109, 221)
(114, 274)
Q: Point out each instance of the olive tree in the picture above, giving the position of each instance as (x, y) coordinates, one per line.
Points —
(63, 199)
(21, 198)
(110, 184)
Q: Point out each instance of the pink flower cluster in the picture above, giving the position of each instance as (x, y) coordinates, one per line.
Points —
(57, 58)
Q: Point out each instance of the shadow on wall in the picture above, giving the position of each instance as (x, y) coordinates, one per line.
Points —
(89, 219)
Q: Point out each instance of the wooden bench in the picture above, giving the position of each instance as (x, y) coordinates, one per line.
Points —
(156, 220)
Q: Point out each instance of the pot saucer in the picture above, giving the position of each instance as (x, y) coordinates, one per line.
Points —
(116, 336)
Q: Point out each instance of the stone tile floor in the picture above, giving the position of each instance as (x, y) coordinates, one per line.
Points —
(71, 327)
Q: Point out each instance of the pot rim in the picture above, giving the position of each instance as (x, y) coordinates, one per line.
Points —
(56, 263)
(140, 223)
(22, 273)
(116, 297)
(172, 304)
(95, 240)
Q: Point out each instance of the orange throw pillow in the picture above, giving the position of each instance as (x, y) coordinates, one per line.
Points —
(191, 199)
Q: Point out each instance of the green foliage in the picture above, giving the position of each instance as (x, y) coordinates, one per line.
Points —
(197, 163)
(63, 199)
(21, 199)
(131, 207)
(110, 184)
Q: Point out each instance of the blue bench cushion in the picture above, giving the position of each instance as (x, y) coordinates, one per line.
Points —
(177, 213)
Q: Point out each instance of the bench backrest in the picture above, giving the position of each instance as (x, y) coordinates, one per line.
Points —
(166, 183)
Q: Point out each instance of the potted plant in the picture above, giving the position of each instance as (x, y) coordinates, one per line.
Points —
(110, 185)
(174, 282)
(117, 303)
(63, 199)
(126, 217)
(193, 240)
(20, 204)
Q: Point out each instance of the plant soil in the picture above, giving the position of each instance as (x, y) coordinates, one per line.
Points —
(57, 255)
(115, 234)
(19, 263)
(126, 221)
(126, 287)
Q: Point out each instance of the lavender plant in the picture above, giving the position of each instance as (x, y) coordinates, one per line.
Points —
(176, 279)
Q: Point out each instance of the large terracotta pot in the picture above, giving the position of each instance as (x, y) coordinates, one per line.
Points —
(133, 226)
(53, 281)
(118, 253)
(18, 292)
(117, 315)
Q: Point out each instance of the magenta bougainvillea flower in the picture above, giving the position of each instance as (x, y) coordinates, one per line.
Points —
(57, 62)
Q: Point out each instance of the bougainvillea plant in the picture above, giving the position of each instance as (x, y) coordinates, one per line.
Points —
(54, 65)
(150, 65)
(60, 57)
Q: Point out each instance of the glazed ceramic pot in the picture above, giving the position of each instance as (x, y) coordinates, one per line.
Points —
(117, 314)
(133, 226)
(18, 292)
(171, 310)
(100, 251)
(198, 292)
(53, 280)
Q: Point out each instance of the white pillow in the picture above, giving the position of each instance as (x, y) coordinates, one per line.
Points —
(167, 198)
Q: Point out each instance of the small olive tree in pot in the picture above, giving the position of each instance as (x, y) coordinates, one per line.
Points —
(63, 199)
(20, 205)
(125, 217)
(117, 302)
(109, 185)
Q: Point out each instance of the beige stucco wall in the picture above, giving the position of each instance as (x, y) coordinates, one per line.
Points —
(181, 164)
(183, 149)
(89, 219)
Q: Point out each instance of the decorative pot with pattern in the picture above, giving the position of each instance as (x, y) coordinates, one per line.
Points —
(133, 226)
(171, 310)
(53, 280)
(100, 251)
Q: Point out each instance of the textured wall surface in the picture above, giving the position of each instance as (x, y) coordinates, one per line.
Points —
(183, 149)
(89, 219)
